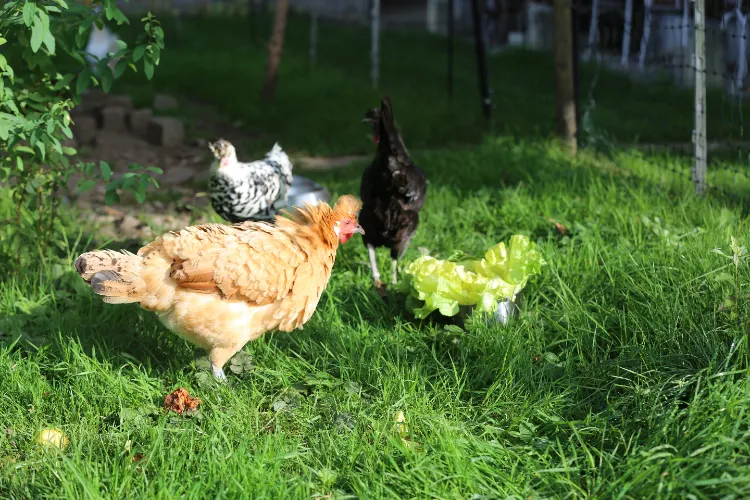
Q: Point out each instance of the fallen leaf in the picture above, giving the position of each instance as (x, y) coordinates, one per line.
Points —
(560, 227)
(137, 458)
(113, 211)
(180, 401)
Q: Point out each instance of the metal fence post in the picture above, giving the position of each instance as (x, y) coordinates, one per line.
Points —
(700, 133)
(481, 54)
(450, 21)
(375, 42)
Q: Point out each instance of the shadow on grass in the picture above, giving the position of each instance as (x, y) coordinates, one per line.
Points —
(589, 337)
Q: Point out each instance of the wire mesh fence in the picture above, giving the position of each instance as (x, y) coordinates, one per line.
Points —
(682, 65)
(666, 77)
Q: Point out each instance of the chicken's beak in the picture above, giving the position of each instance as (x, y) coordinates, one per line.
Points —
(358, 229)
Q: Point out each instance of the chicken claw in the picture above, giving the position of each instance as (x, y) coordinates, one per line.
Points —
(382, 289)
(218, 373)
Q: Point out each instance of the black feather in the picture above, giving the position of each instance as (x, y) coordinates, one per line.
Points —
(99, 279)
(393, 190)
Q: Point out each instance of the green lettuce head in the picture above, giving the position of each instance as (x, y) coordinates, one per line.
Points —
(445, 286)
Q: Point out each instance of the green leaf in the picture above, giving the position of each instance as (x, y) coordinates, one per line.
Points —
(86, 24)
(37, 34)
(138, 52)
(120, 67)
(4, 128)
(63, 82)
(148, 69)
(3, 62)
(106, 79)
(69, 151)
(111, 197)
(29, 9)
(49, 42)
(106, 170)
(3, 41)
(19, 163)
(83, 81)
(121, 45)
(44, 18)
(140, 194)
(85, 185)
(120, 17)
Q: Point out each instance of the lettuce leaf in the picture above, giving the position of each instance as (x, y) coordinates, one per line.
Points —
(444, 285)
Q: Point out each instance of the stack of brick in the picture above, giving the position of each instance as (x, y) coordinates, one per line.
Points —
(102, 113)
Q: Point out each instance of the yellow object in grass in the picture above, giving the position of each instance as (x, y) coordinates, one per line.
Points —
(444, 285)
(53, 437)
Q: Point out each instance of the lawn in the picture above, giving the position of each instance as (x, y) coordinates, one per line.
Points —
(616, 381)
(619, 378)
(317, 109)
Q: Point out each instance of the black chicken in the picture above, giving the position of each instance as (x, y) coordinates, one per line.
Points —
(393, 191)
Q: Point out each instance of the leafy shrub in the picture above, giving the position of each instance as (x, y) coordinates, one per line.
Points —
(44, 69)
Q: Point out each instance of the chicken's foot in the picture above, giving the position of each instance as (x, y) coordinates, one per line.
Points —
(218, 373)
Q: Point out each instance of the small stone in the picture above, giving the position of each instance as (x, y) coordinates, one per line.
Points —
(113, 118)
(138, 120)
(176, 175)
(92, 100)
(164, 102)
(132, 228)
(123, 101)
(165, 131)
(84, 130)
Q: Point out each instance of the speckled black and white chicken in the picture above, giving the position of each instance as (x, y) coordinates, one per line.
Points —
(249, 191)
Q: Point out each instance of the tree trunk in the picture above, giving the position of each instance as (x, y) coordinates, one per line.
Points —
(275, 47)
(564, 78)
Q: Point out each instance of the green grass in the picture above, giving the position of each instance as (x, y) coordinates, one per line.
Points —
(615, 382)
(317, 110)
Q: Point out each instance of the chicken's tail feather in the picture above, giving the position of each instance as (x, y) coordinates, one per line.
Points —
(388, 130)
(113, 275)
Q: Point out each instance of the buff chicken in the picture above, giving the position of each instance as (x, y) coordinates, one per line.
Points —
(221, 286)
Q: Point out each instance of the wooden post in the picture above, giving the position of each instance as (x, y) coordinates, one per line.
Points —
(576, 60)
(625, 58)
(275, 47)
(375, 42)
(481, 53)
(564, 78)
(700, 132)
(450, 48)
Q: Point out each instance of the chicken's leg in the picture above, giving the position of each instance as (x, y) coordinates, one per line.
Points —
(218, 373)
(375, 273)
(394, 271)
(218, 356)
(374, 265)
